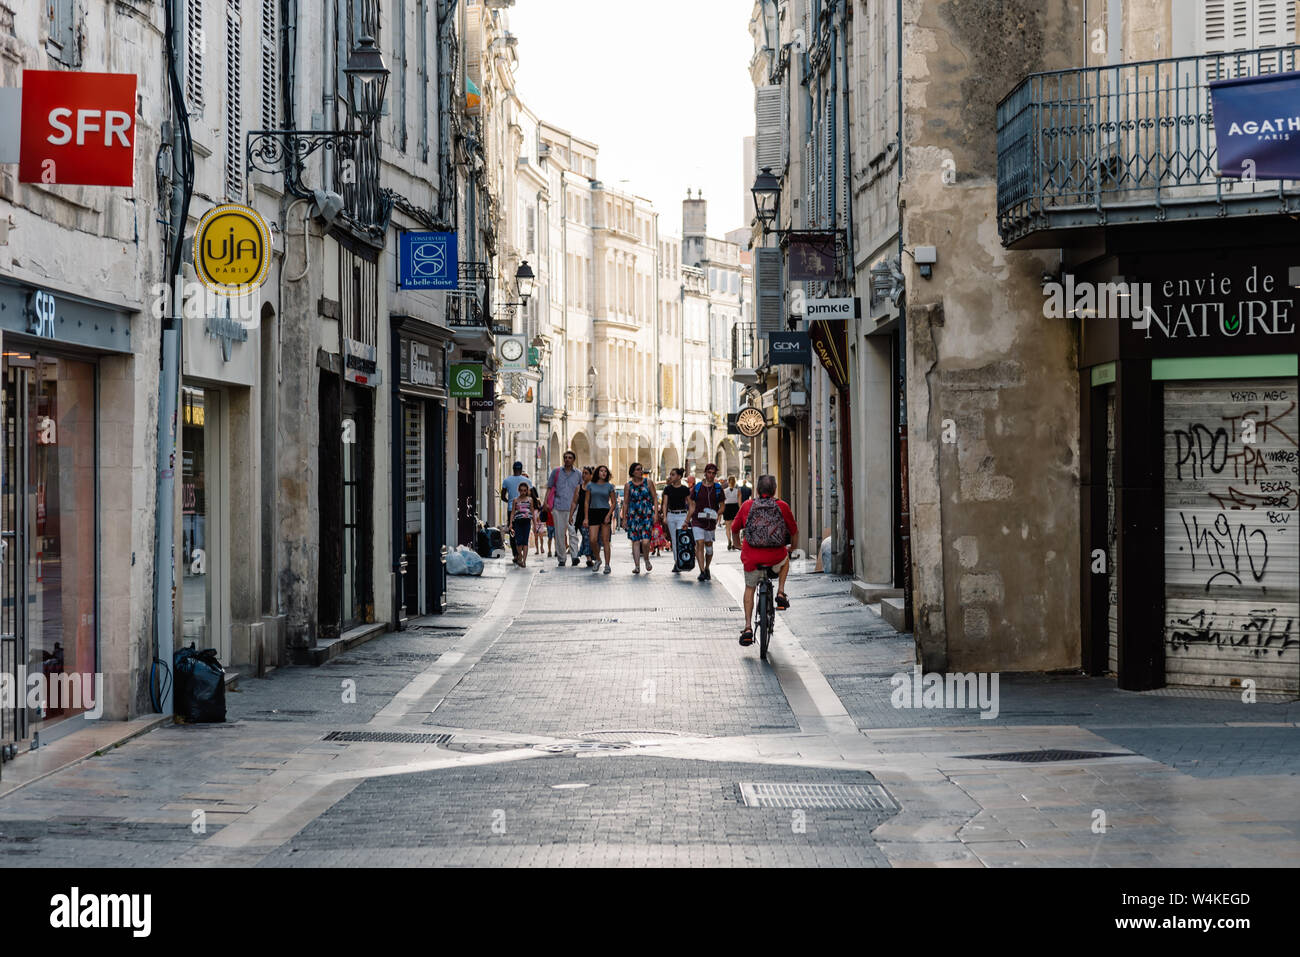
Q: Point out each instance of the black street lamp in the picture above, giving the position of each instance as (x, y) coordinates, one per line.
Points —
(367, 81)
(524, 281)
(767, 198)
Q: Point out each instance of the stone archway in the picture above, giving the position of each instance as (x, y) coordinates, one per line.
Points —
(581, 447)
(697, 452)
(669, 459)
(553, 452)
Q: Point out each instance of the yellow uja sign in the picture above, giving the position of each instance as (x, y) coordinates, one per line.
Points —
(232, 249)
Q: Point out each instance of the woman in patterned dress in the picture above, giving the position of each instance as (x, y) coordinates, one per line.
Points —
(638, 515)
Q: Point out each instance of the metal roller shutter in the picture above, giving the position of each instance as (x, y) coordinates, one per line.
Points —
(1232, 574)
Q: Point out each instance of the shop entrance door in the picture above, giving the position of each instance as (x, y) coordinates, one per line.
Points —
(48, 613)
(415, 486)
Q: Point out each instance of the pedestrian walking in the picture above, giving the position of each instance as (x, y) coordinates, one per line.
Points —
(731, 495)
(510, 485)
(707, 498)
(673, 511)
(769, 528)
(580, 516)
(539, 523)
(638, 515)
(521, 521)
(561, 496)
(600, 514)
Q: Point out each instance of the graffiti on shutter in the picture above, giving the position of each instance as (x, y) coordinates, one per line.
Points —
(1232, 567)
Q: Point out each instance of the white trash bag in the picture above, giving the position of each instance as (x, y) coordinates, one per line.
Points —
(456, 563)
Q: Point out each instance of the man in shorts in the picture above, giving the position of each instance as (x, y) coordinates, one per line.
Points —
(707, 498)
(767, 513)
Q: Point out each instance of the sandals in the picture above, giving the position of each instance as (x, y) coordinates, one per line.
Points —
(782, 602)
(747, 637)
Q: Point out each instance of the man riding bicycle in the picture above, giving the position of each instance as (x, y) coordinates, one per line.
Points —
(770, 530)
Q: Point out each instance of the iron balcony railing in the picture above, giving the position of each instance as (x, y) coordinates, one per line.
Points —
(1127, 143)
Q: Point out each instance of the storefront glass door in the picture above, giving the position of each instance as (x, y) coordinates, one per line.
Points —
(48, 540)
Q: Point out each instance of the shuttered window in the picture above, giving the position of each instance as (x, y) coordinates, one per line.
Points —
(399, 73)
(270, 67)
(767, 289)
(63, 43)
(1225, 26)
(195, 44)
(234, 102)
(771, 142)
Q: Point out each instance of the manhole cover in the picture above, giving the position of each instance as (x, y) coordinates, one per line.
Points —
(571, 747)
(387, 737)
(860, 797)
(1048, 754)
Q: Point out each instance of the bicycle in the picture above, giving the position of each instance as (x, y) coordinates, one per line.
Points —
(765, 609)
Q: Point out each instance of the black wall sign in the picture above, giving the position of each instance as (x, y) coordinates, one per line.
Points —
(789, 349)
(489, 400)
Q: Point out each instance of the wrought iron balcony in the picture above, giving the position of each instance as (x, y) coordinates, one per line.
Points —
(1128, 143)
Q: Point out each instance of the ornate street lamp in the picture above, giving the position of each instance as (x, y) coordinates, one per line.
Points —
(524, 281)
(367, 81)
(284, 151)
(767, 198)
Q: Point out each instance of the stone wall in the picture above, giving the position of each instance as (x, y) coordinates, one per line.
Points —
(995, 534)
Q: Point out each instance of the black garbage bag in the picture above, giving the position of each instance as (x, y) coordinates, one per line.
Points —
(200, 686)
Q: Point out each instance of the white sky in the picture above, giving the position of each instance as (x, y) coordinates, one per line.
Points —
(662, 88)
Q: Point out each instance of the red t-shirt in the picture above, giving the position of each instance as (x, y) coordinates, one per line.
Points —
(752, 557)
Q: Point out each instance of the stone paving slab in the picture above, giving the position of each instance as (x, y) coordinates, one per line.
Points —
(630, 805)
(592, 651)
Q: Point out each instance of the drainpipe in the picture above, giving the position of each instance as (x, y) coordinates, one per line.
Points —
(564, 311)
(169, 385)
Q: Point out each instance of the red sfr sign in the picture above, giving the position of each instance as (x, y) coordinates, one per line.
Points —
(78, 128)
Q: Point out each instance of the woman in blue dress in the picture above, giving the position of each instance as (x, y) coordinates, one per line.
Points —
(638, 515)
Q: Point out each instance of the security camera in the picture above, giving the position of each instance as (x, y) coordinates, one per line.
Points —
(326, 205)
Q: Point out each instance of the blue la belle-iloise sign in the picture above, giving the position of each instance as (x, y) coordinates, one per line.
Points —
(1257, 126)
(427, 261)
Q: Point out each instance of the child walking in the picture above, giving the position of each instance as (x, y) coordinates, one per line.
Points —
(521, 521)
(659, 541)
(539, 526)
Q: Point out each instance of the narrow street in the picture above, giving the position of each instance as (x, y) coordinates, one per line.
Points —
(556, 717)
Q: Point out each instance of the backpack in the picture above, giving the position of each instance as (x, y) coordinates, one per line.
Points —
(765, 526)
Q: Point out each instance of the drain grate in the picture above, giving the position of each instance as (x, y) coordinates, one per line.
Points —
(387, 737)
(628, 735)
(858, 797)
(1048, 754)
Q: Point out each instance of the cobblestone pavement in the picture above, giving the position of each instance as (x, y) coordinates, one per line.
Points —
(556, 717)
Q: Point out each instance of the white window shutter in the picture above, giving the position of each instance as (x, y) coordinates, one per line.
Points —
(473, 44)
(234, 103)
(769, 299)
(270, 67)
(195, 41)
(769, 133)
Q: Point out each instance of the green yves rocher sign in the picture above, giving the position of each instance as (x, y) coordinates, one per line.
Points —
(466, 380)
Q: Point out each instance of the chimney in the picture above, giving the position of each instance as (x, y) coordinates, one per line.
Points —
(694, 215)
